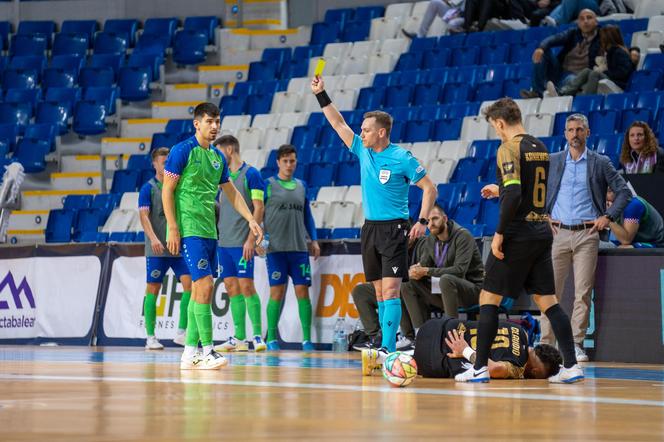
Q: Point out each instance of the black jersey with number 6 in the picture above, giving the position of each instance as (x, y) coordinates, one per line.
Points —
(524, 161)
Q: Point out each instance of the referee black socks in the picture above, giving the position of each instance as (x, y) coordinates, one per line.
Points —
(562, 329)
(486, 333)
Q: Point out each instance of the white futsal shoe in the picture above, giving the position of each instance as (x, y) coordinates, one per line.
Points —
(213, 361)
(475, 376)
(152, 343)
(190, 362)
(372, 359)
(568, 375)
(233, 345)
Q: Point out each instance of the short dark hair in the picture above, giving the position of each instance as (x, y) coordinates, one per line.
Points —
(439, 207)
(227, 140)
(209, 109)
(550, 357)
(635, 48)
(383, 119)
(286, 149)
(505, 109)
(160, 152)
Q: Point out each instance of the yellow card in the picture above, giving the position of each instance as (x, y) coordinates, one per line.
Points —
(319, 67)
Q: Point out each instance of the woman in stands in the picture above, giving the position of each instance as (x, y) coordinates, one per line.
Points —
(640, 153)
(616, 65)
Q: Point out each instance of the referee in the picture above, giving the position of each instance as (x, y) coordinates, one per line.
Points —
(387, 171)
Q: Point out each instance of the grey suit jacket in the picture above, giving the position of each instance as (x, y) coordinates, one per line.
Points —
(601, 175)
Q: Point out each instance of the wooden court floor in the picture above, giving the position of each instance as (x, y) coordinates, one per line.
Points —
(117, 394)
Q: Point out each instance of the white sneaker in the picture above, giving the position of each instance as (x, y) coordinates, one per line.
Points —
(472, 375)
(213, 361)
(232, 345)
(581, 355)
(180, 337)
(192, 362)
(152, 343)
(404, 344)
(568, 375)
(551, 89)
(372, 359)
(259, 344)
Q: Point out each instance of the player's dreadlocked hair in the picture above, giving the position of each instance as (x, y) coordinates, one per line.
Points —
(550, 357)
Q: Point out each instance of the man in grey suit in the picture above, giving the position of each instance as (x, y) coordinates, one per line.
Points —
(576, 202)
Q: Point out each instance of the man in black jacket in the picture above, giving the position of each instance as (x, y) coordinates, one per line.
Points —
(579, 47)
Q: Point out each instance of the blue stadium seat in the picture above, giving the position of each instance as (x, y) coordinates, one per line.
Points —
(139, 237)
(334, 154)
(134, 83)
(631, 115)
(367, 13)
(321, 174)
(164, 139)
(57, 77)
(479, 39)
(447, 129)
(494, 54)
(449, 195)
(97, 77)
(418, 131)
(653, 61)
(632, 26)
(150, 61)
(310, 155)
(305, 136)
(139, 161)
(484, 149)
(355, 31)
(469, 169)
(489, 215)
(42, 131)
(468, 74)
(232, 105)
(36, 27)
(8, 134)
(30, 152)
(244, 88)
(424, 44)
(460, 110)
(189, 47)
(456, 93)
(295, 68)
(473, 190)
(522, 52)
(301, 172)
(55, 114)
(408, 61)
(554, 144)
(28, 45)
(323, 33)
(465, 56)
(35, 63)
(328, 137)
(19, 79)
(102, 95)
(93, 236)
(609, 145)
(152, 44)
(339, 15)
(59, 225)
(587, 103)
(312, 192)
(70, 62)
(77, 202)
(259, 104)
(345, 233)
(26, 96)
(145, 176)
(122, 237)
(490, 172)
(123, 27)
(83, 27)
(348, 174)
(65, 96)
(262, 70)
(439, 75)
(477, 230)
(68, 44)
(205, 24)
(178, 126)
(412, 76)
(89, 118)
(386, 79)
(370, 97)
(112, 61)
(106, 202)
(125, 180)
(324, 233)
(604, 121)
(426, 94)
(650, 100)
(513, 86)
(467, 212)
(5, 31)
(308, 51)
(620, 101)
(414, 201)
(496, 72)
(398, 95)
(645, 80)
(559, 122)
(163, 27)
(110, 43)
(18, 114)
(507, 37)
(280, 56)
(435, 59)
(268, 171)
(489, 90)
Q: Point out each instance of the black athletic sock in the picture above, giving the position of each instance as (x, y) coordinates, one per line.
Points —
(486, 333)
(562, 329)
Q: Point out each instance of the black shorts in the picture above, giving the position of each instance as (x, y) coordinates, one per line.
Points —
(527, 266)
(385, 249)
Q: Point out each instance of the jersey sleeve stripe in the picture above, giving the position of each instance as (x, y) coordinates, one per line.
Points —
(144, 208)
(511, 182)
(632, 220)
(172, 175)
(257, 194)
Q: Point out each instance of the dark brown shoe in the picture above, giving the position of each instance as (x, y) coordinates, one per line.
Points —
(528, 93)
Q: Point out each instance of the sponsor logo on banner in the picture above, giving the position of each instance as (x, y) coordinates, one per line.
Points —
(340, 304)
(24, 316)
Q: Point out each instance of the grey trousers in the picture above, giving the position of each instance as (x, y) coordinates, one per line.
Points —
(583, 83)
(364, 297)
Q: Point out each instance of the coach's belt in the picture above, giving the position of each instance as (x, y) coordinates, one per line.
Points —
(574, 227)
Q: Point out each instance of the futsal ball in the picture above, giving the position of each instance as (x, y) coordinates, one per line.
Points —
(399, 369)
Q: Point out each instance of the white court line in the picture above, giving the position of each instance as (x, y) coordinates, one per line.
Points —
(475, 393)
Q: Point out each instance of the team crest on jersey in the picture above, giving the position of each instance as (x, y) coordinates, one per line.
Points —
(155, 273)
(508, 168)
(202, 264)
(216, 164)
(384, 176)
(276, 275)
(419, 169)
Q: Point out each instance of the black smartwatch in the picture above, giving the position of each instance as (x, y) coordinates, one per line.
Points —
(423, 221)
(612, 219)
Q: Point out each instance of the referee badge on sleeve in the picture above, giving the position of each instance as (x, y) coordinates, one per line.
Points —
(384, 176)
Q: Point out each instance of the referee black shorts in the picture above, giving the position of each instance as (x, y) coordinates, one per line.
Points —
(385, 249)
(527, 266)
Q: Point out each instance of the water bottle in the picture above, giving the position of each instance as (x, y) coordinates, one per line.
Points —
(339, 344)
(265, 243)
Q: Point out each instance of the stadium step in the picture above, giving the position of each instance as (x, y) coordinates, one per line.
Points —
(49, 199)
(28, 220)
(142, 127)
(25, 237)
(76, 180)
(174, 109)
(126, 145)
(85, 163)
(222, 74)
(186, 92)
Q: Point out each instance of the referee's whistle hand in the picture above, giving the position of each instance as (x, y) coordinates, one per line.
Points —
(317, 85)
(418, 230)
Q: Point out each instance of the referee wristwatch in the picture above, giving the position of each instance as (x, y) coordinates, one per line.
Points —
(423, 221)
(611, 218)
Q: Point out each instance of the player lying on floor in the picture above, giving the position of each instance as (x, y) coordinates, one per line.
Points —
(444, 348)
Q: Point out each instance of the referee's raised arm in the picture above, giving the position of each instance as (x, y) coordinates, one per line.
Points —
(331, 113)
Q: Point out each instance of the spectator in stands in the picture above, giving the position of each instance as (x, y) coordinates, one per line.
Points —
(536, 10)
(640, 226)
(451, 254)
(450, 11)
(635, 55)
(615, 65)
(576, 199)
(478, 12)
(568, 9)
(640, 153)
(579, 48)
